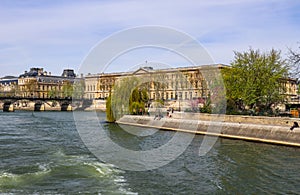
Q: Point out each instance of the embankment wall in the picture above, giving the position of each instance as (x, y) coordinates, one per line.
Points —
(275, 134)
(262, 120)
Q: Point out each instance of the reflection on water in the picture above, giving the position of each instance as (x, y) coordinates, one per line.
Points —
(44, 154)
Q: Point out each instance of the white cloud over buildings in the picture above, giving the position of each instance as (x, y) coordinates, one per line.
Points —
(56, 34)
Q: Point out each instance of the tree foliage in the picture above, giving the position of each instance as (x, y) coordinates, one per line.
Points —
(109, 112)
(254, 79)
(128, 97)
(53, 93)
(67, 89)
(294, 60)
(137, 100)
(30, 88)
(78, 88)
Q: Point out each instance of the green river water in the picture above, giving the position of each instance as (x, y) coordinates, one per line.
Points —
(42, 153)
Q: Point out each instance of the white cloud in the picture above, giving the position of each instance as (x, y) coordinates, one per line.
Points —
(52, 33)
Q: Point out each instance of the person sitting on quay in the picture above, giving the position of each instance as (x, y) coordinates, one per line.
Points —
(169, 115)
(295, 125)
(141, 111)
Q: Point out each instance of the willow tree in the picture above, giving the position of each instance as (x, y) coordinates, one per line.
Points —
(128, 97)
(255, 79)
(109, 112)
(137, 100)
(159, 82)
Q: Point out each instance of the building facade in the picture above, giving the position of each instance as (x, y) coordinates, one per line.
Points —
(184, 83)
(291, 93)
(91, 86)
(8, 86)
(37, 83)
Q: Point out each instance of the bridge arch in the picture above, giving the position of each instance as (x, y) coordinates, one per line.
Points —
(66, 106)
(39, 106)
(8, 107)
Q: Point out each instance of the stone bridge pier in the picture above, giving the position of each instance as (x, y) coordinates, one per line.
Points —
(8, 107)
(66, 106)
(39, 106)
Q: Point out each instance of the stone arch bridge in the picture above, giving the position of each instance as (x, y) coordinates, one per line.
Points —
(10, 104)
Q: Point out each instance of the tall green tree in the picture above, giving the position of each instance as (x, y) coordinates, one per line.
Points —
(53, 93)
(67, 89)
(255, 79)
(121, 92)
(137, 100)
(127, 97)
(31, 88)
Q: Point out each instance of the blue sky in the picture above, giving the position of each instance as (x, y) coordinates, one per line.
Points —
(60, 34)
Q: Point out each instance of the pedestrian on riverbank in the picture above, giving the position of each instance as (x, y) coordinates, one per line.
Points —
(141, 111)
(295, 125)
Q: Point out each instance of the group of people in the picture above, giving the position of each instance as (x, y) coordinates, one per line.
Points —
(159, 115)
(169, 114)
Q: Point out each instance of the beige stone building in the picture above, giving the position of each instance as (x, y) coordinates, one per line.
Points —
(291, 92)
(8, 86)
(38, 83)
(184, 83)
(91, 86)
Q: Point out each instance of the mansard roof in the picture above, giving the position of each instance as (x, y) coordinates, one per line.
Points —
(9, 78)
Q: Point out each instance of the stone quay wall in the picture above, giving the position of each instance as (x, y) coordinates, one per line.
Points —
(262, 120)
(245, 129)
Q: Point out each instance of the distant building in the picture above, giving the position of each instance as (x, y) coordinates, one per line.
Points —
(183, 83)
(91, 86)
(69, 73)
(291, 92)
(8, 86)
(40, 84)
